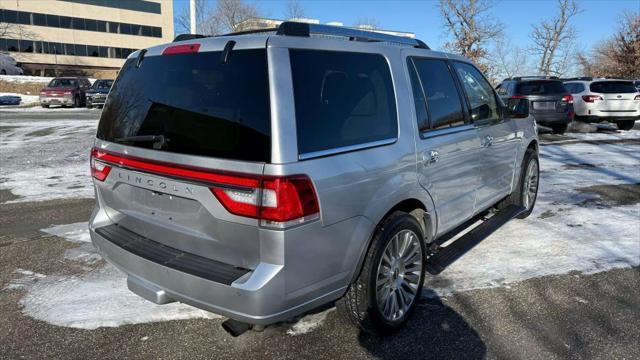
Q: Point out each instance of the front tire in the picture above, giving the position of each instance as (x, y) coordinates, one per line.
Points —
(625, 125)
(527, 191)
(386, 292)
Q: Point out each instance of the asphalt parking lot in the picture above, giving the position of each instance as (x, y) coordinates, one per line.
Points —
(563, 284)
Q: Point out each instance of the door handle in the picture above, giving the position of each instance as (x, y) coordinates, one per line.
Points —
(433, 157)
(487, 141)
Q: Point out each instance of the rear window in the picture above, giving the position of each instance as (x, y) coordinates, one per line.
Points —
(574, 88)
(541, 87)
(63, 83)
(342, 99)
(200, 105)
(613, 87)
(100, 84)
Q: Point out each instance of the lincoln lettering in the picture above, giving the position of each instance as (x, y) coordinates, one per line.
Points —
(137, 179)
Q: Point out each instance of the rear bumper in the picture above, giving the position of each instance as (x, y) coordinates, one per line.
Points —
(96, 101)
(267, 293)
(608, 117)
(551, 118)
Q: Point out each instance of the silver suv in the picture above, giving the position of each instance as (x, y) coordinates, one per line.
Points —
(262, 175)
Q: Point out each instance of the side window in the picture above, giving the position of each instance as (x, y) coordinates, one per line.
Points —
(442, 97)
(422, 116)
(479, 91)
(341, 99)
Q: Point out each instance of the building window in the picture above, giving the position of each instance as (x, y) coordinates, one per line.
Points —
(39, 19)
(53, 20)
(69, 49)
(26, 46)
(77, 24)
(65, 22)
(93, 50)
(44, 47)
(13, 45)
(24, 18)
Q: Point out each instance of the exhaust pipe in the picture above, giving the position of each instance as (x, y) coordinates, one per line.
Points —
(235, 327)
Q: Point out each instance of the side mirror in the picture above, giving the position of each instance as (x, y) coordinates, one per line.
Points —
(518, 108)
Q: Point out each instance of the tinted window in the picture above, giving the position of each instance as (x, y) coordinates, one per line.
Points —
(12, 45)
(24, 18)
(26, 46)
(479, 92)
(65, 22)
(81, 50)
(77, 23)
(101, 26)
(443, 99)
(341, 99)
(90, 25)
(104, 51)
(422, 116)
(69, 49)
(93, 50)
(612, 87)
(202, 106)
(10, 16)
(574, 88)
(53, 20)
(102, 84)
(113, 27)
(39, 19)
(540, 87)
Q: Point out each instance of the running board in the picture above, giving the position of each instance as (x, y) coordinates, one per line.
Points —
(441, 257)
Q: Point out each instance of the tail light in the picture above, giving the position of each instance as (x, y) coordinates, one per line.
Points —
(67, 92)
(591, 98)
(568, 99)
(637, 97)
(278, 201)
(99, 170)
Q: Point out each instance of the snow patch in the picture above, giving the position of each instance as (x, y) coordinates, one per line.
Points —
(23, 79)
(98, 299)
(27, 279)
(309, 323)
(76, 233)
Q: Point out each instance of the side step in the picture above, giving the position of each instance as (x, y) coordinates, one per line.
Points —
(442, 257)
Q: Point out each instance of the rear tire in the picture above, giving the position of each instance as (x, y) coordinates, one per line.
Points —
(3, 72)
(626, 125)
(559, 128)
(45, 106)
(389, 286)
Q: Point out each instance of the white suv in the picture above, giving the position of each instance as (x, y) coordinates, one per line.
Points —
(596, 100)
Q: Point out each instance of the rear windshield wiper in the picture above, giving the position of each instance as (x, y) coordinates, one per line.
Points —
(159, 141)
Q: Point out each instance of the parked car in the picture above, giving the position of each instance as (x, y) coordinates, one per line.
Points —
(260, 183)
(65, 91)
(551, 102)
(97, 94)
(597, 100)
(10, 100)
(9, 66)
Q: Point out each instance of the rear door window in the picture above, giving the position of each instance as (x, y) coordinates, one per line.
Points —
(613, 87)
(341, 99)
(482, 99)
(540, 87)
(443, 100)
(200, 105)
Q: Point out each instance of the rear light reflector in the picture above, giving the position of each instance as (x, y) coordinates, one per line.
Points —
(278, 201)
(181, 49)
(99, 170)
(591, 98)
(568, 99)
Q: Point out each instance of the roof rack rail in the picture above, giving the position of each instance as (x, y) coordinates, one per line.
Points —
(547, 77)
(292, 28)
(584, 78)
(183, 37)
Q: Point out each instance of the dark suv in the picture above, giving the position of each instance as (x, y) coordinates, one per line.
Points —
(97, 95)
(551, 103)
(65, 91)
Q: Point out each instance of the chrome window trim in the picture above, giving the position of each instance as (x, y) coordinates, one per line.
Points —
(345, 149)
(446, 131)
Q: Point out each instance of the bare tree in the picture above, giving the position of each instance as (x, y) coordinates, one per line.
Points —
(214, 18)
(554, 39)
(472, 28)
(369, 23)
(294, 10)
(508, 60)
(618, 56)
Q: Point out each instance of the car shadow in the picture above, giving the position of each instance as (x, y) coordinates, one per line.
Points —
(435, 331)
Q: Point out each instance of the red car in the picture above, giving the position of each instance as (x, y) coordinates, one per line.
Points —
(65, 91)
